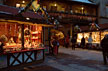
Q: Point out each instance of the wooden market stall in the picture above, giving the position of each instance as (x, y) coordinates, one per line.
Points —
(97, 35)
(24, 35)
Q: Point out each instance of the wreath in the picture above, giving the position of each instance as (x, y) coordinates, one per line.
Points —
(26, 31)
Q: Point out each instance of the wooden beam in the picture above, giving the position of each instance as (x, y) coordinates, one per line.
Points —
(26, 23)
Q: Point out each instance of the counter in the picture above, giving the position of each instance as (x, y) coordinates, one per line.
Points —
(14, 58)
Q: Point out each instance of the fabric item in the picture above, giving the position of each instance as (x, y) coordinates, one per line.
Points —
(54, 43)
(73, 40)
(55, 50)
(73, 46)
(83, 42)
(67, 39)
(90, 40)
(104, 44)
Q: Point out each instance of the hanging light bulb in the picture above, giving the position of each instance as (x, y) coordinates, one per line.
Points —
(23, 1)
(55, 4)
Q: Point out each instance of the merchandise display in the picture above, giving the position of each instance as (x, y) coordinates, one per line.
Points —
(96, 36)
(21, 44)
(32, 36)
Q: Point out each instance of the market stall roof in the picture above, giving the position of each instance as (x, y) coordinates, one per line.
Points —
(12, 13)
(103, 26)
(83, 1)
(87, 28)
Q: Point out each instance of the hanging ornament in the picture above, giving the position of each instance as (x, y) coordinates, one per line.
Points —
(35, 5)
(77, 28)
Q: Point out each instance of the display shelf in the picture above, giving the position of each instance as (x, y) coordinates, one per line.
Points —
(35, 32)
(34, 38)
(26, 36)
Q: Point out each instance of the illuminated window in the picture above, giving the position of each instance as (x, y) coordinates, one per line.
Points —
(107, 10)
(18, 5)
(23, 5)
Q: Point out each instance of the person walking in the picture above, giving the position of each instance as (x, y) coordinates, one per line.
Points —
(58, 44)
(83, 42)
(51, 46)
(3, 40)
(73, 40)
(90, 42)
(104, 45)
(67, 41)
(55, 47)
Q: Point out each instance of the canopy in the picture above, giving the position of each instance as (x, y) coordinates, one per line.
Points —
(84, 1)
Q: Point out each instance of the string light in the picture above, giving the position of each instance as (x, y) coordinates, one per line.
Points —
(23, 1)
(27, 18)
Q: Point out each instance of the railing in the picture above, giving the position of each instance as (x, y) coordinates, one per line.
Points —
(76, 16)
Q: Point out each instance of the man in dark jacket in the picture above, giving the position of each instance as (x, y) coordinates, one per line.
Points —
(73, 40)
(83, 42)
(104, 45)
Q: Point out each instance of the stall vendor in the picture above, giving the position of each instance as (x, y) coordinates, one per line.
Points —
(3, 40)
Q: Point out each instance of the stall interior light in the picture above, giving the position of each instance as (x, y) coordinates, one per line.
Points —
(55, 4)
(27, 18)
(23, 1)
(18, 5)
(82, 8)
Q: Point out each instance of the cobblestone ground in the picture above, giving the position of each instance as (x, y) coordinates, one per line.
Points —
(71, 60)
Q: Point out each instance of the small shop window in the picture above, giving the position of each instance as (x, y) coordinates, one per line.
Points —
(32, 36)
(13, 33)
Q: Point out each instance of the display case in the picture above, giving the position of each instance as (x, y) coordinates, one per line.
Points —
(96, 36)
(32, 36)
(24, 44)
(13, 31)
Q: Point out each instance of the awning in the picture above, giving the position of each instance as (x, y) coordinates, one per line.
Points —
(87, 28)
(84, 1)
(11, 13)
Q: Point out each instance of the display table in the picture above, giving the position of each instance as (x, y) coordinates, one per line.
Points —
(15, 58)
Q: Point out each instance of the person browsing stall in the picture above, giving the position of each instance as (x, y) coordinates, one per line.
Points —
(104, 45)
(3, 40)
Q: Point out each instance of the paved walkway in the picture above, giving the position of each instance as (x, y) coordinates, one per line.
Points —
(71, 60)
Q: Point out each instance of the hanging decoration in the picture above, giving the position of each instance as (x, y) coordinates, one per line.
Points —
(77, 28)
(26, 8)
(36, 6)
(94, 26)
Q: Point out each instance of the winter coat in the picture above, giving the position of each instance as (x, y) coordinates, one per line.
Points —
(83, 41)
(104, 44)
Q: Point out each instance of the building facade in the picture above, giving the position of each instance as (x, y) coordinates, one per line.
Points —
(71, 13)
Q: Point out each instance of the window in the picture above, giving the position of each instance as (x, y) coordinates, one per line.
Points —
(107, 10)
(53, 8)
